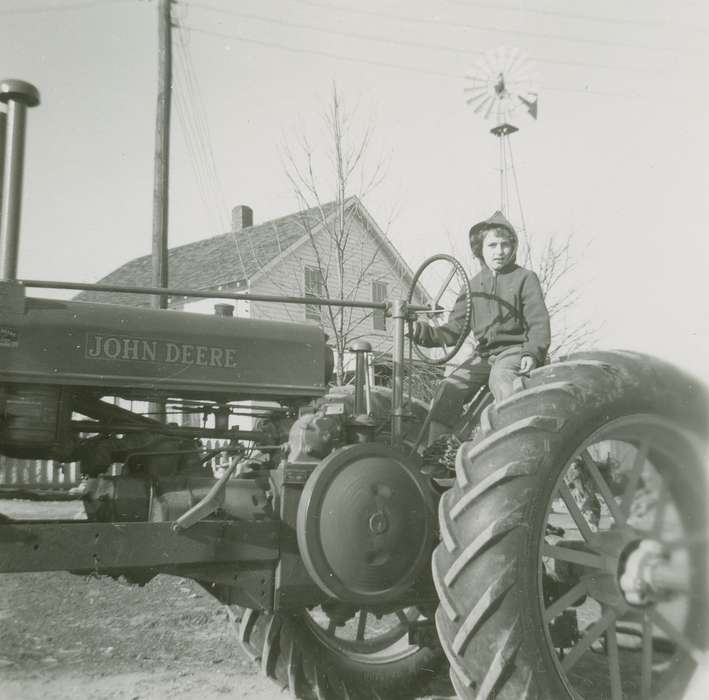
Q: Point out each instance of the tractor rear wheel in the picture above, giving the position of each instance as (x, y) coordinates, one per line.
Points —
(317, 659)
(573, 554)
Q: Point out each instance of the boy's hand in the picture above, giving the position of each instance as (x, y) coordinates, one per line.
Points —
(417, 331)
(527, 364)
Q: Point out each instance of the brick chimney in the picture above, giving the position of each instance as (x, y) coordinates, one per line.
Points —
(241, 217)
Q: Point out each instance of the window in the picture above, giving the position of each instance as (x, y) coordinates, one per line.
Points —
(313, 288)
(379, 294)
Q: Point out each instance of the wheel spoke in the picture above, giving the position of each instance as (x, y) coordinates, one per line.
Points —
(675, 635)
(614, 664)
(559, 605)
(587, 559)
(403, 618)
(603, 487)
(593, 633)
(331, 627)
(634, 478)
(443, 288)
(361, 624)
(575, 512)
(646, 663)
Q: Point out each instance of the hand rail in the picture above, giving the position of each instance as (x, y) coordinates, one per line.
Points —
(214, 294)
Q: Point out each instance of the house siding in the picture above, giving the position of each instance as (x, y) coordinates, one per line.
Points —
(366, 263)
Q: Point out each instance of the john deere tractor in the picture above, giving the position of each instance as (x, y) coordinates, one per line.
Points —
(564, 557)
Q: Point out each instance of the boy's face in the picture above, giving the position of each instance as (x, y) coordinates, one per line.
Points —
(497, 249)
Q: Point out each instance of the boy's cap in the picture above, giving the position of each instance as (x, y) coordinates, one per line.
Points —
(497, 220)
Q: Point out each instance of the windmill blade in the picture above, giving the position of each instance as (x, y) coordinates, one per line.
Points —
(489, 99)
(515, 59)
(489, 109)
(477, 98)
(521, 74)
(477, 90)
(472, 99)
(478, 95)
(483, 104)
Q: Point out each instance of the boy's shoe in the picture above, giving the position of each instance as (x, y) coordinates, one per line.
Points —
(439, 457)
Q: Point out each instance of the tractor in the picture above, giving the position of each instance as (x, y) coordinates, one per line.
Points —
(563, 557)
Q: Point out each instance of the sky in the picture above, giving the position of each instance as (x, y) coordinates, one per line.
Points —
(617, 157)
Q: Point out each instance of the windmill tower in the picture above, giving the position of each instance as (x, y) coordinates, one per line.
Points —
(503, 84)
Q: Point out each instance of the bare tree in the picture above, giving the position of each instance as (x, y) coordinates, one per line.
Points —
(555, 264)
(343, 257)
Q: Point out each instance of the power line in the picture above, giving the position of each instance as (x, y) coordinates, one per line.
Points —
(570, 15)
(189, 130)
(318, 52)
(182, 112)
(38, 9)
(365, 61)
(197, 139)
(396, 42)
(486, 28)
(203, 129)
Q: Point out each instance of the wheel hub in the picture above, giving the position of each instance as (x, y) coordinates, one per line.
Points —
(635, 571)
(366, 524)
(647, 573)
(378, 523)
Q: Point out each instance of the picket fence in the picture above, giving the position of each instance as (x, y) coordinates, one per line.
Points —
(43, 475)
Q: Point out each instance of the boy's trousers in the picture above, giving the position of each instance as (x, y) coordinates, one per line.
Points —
(459, 387)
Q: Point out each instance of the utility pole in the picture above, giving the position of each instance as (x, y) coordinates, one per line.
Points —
(3, 127)
(162, 169)
(162, 153)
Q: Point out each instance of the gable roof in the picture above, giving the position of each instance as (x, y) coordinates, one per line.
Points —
(232, 259)
(223, 260)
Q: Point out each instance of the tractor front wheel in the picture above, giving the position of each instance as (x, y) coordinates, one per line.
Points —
(319, 656)
(573, 554)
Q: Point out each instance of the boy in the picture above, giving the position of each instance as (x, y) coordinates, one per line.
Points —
(510, 323)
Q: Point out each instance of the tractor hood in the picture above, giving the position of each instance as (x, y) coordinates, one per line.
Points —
(138, 352)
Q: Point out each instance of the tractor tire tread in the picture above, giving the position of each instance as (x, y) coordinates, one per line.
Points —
(485, 517)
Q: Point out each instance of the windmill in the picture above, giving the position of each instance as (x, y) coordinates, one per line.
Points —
(502, 84)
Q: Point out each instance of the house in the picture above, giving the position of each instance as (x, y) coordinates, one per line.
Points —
(335, 250)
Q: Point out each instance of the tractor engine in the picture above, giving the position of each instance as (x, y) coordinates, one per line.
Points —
(359, 512)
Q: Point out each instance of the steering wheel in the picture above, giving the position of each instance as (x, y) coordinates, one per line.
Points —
(446, 275)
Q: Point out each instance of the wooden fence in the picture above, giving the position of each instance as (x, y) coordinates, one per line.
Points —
(37, 474)
(47, 474)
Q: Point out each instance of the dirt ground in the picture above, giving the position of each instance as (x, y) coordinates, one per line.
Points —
(66, 637)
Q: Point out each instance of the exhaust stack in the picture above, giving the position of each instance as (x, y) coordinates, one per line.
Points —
(17, 95)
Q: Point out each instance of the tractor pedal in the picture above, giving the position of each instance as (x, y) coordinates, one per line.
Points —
(439, 457)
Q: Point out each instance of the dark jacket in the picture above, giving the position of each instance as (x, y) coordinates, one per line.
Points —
(508, 308)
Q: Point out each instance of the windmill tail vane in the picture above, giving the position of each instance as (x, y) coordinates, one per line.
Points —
(531, 105)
